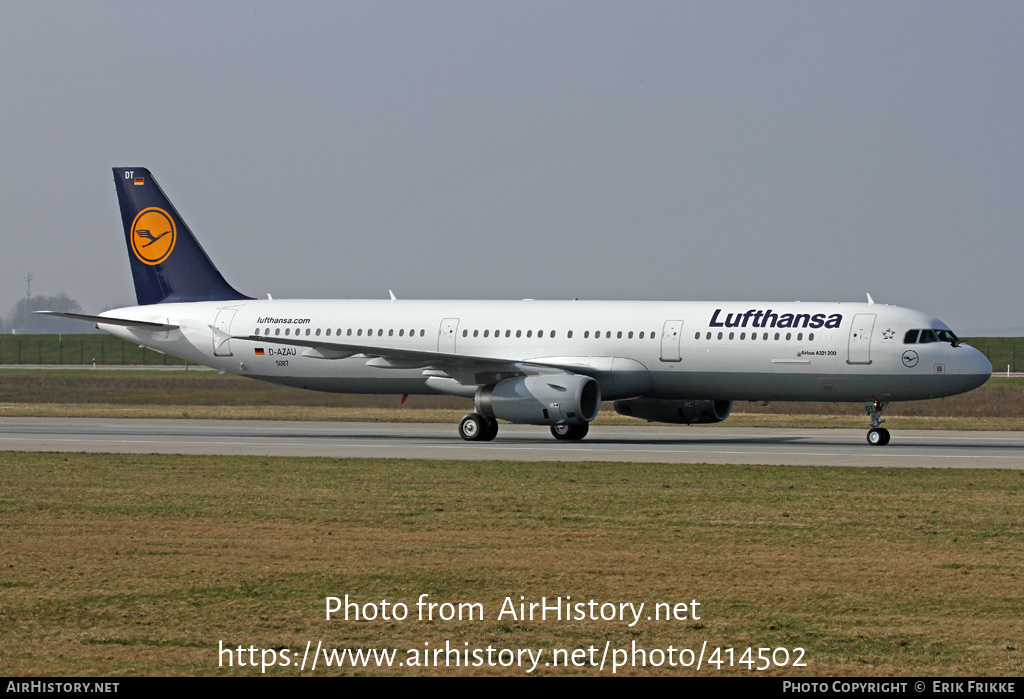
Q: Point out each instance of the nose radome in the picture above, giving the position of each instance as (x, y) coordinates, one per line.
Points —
(976, 364)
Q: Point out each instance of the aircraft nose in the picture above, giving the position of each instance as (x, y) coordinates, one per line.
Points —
(976, 366)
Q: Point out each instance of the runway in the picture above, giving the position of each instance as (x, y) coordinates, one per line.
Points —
(653, 444)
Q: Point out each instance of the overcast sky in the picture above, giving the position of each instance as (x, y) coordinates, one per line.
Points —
(641, 150)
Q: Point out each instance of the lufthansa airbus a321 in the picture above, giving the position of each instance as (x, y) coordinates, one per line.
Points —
(531, 362)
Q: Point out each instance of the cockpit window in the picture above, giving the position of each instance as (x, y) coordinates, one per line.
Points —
(931, 335)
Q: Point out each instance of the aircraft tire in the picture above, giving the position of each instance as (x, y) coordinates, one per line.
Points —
(491, 431)
(878, 437)
(472, 427)
(574, 432)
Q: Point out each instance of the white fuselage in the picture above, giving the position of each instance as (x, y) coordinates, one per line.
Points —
(662, 350)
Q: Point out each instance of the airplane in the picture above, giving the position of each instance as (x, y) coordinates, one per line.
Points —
(532, 362)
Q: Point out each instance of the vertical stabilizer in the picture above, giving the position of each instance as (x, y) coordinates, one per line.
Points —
(168, 263)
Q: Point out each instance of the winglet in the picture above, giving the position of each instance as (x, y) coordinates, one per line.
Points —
(871, 301)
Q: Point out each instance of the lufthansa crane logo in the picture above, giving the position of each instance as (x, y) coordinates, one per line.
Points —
(910, 358)
(153, 235)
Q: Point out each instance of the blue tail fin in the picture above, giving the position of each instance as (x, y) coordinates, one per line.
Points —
(168, 264)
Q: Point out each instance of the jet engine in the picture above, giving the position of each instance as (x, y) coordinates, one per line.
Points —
(680, 412)
(542, 400)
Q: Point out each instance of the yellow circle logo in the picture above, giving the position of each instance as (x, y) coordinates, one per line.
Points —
(153, 235)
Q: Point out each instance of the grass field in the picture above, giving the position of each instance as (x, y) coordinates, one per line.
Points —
(122, 565)
(118, 565)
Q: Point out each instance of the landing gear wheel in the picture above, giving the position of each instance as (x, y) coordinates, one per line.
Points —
(491, 431)
(563, 431)
(473, 427)
(878, 437)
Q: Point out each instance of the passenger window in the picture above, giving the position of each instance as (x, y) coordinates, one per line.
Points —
(586, 334)
(789, 336)
(799, 336)
(519, 333)
(465, 332)
(743, 336)
(529, 333)
(277, 331)
(811, 337)
(708, 336)
(359, 332)
(570, 334)
(630, 335)
(257, 331)
(719, 334)
(641, 336)
(911, 337)
(732, 335)
(287, 331)
(618, 335)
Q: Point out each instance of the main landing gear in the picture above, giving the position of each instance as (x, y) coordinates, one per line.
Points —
(877, 436)
(477, 428)
(563, 431)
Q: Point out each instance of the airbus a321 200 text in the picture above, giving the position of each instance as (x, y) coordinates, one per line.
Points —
(531, 362)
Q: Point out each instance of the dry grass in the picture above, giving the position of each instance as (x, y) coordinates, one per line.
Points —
(84, 393)
(121, 564)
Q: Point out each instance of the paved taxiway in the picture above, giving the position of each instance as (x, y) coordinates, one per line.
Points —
(652, 444)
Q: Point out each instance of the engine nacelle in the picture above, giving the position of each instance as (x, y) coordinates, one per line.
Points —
(542, 400)
(679, 412)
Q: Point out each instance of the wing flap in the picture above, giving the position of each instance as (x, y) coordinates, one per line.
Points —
(466, 369)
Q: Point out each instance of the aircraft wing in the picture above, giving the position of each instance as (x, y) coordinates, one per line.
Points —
(466, 369)
(126, 322)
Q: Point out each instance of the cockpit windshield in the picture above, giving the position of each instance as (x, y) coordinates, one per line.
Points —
(930, 335)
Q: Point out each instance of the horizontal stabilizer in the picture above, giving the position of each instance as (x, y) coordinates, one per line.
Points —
(144, 324)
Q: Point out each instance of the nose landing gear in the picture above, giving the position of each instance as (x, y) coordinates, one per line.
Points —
(877, 436)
